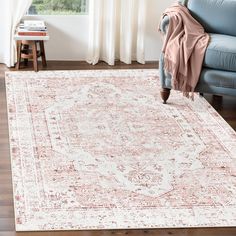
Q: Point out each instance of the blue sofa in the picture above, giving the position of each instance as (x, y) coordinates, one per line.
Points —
(218, 75)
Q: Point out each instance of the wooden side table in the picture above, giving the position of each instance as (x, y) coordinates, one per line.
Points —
(31, 47)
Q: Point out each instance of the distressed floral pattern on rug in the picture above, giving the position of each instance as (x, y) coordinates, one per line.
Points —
(99, 150)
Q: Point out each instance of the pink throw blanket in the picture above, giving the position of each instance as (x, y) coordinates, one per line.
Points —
(184, 48)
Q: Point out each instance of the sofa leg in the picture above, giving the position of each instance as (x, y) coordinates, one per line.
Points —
(217, 102)
(165, 93)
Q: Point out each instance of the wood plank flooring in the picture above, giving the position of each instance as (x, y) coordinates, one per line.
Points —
(226, 107)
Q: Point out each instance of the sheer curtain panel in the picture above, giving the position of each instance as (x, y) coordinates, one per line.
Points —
(11, 12)
(116, 31)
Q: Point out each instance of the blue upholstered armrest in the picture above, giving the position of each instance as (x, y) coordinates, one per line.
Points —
(164, 24)
(183, 2)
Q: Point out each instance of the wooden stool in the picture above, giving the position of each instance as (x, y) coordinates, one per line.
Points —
(27, 49)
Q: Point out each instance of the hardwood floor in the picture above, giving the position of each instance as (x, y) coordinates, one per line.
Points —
(226, 107)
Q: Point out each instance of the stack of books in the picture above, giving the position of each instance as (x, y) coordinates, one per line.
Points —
(32, 28)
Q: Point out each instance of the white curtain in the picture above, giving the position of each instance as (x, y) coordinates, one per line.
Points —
(116, 31)
(11, 12)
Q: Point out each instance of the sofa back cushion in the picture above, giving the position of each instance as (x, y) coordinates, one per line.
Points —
(216, 16)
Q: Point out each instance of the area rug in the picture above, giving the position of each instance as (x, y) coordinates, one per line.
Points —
(98, 150)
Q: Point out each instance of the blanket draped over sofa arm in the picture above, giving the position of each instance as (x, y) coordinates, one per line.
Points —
(184, 47)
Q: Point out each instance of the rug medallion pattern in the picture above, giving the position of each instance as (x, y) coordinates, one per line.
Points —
(99, 150)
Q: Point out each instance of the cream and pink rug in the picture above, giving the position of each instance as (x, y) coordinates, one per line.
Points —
(99, 150)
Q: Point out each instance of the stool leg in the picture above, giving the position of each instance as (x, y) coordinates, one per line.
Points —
(42, 50)
(26, 47)
(19, 46)
(35, 59)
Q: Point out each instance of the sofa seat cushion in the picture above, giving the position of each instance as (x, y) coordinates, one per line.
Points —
(221, 52)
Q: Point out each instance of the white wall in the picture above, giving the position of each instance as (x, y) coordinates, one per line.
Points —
(69, 34)
(153, 39)
(68, 37)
